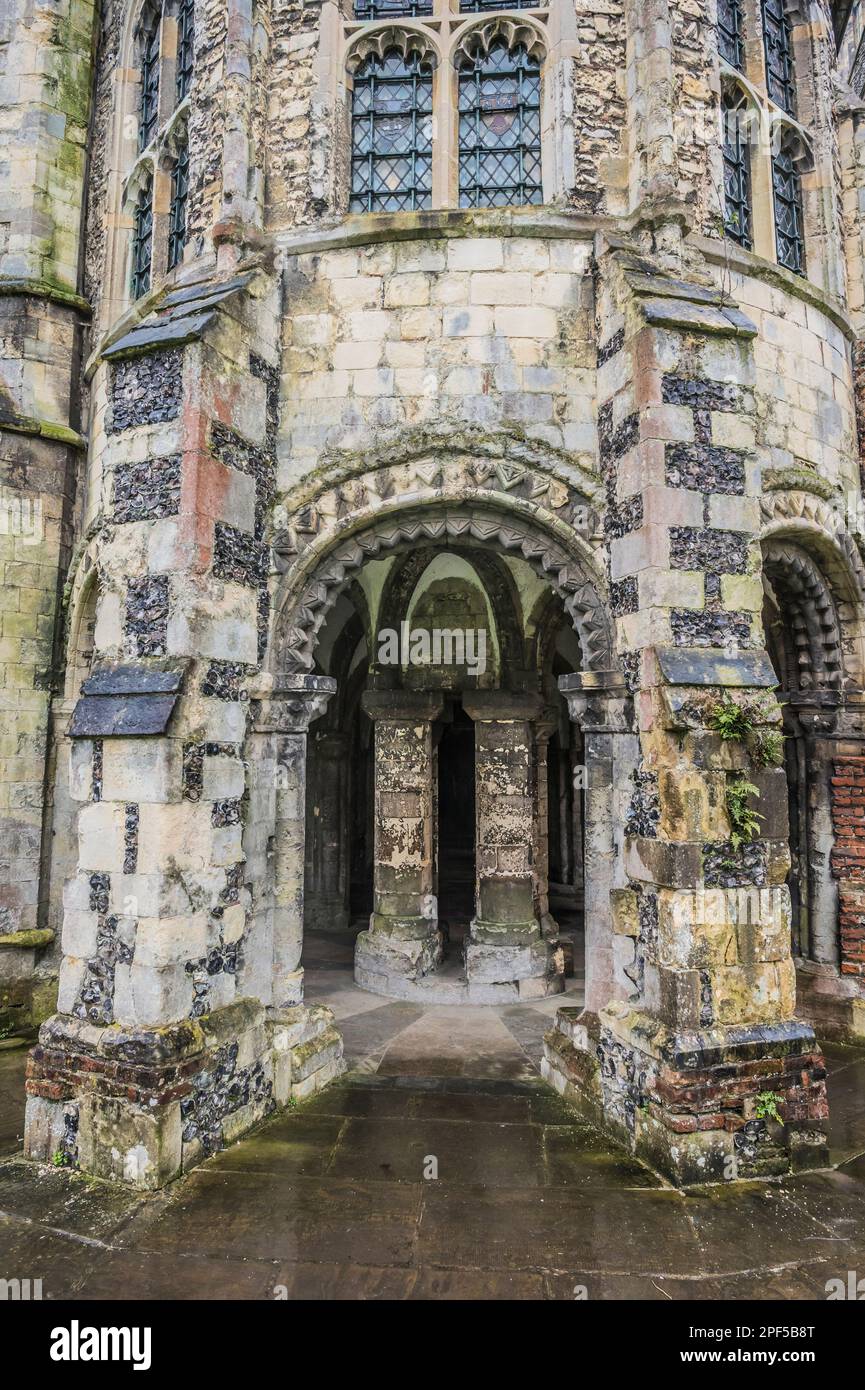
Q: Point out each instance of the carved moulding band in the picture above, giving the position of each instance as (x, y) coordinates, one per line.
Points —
(303, 615)
(377, 42)
(479, 38)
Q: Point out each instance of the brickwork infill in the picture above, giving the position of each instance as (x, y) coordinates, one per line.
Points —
(848, 859)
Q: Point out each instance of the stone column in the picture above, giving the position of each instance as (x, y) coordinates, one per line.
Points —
(831, 977)
(541, 859)
(295, 702)
(403, 942)
(507, 955)
(599, 702)
(327, 848)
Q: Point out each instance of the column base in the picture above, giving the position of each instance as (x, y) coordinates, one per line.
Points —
(395, 952)
(514, 954)
(693, 1105)
(143, 1106)
(832, 1003)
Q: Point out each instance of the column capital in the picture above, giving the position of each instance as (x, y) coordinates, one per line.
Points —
(411, 705)
(292, 703)
(502, 704)
(599, 701)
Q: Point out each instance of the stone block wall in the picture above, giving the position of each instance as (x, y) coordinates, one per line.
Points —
(467, 330)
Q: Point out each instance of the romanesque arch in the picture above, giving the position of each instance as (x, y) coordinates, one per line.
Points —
(479, 508)
(814, 580)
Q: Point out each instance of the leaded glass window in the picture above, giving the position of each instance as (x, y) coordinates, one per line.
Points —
(500, 128)
(149, 109)
(778, 47)
(177, 209)
(391, 156)
(730, 39)
(391, 9)
(481, 6)
(142, 239)
(185, 46)
(787, 190)
(737, 173)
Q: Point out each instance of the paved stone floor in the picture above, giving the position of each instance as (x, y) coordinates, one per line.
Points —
(330, 1201)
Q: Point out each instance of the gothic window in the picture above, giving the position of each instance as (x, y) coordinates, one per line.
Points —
(787, 193)
(156, 182)
(737, 172)
(151, 30)
(142, 239)
(391, 154)
(499, 128)
(730, 37)
(391, 9)
(483, 6)
(185, 47)
(177, 208)
(778, 46)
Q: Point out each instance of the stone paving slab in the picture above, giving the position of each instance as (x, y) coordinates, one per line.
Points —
(328, 1200)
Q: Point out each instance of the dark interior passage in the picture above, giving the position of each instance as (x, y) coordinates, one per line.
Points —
(456, 819)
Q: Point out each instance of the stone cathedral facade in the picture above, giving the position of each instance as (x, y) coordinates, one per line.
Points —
(527, 336)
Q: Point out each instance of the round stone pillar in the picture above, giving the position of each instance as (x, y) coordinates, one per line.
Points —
(507, 949)
(403, 942)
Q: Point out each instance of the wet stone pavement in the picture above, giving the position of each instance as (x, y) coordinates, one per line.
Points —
(336, 1199)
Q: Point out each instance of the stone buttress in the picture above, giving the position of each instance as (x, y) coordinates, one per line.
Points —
(696, 1060)
(180, 1017)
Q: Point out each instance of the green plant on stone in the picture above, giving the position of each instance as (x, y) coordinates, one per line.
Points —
(767, 1106)
(60, 1159)
(730, 720)
(767, 748)
(744, 820)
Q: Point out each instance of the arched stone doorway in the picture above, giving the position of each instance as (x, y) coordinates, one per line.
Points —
(446, 777)
(365, 600)
(811, 626)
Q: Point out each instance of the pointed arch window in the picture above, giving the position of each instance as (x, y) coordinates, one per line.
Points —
(185, 47)
(391, 134)
(787, 194)
(177, 207)
(155, 188)
(142, 239)
(483, 6)
(392, 9)
(500, 127)
(778, 46)
(738, 212)
(731, 41)
(151, 28)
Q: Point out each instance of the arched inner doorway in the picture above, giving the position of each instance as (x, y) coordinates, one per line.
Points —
(482, 639)
(803, 639)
